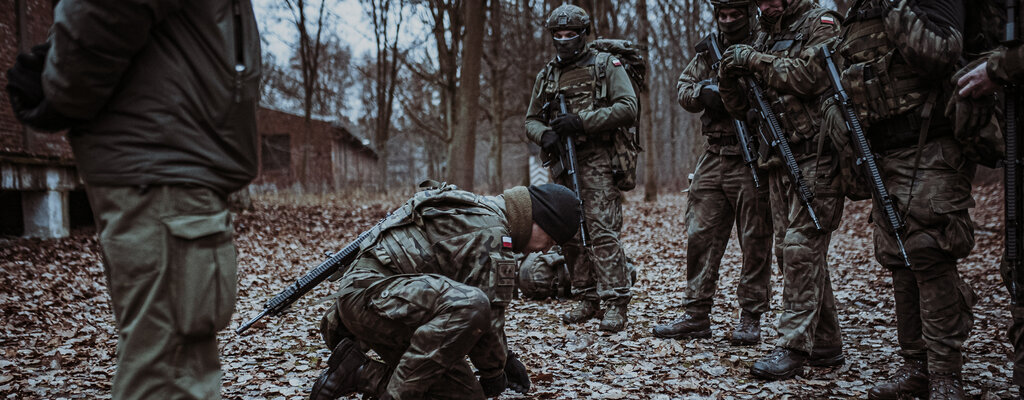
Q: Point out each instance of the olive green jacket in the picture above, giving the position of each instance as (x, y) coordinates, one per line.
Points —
(168, 90)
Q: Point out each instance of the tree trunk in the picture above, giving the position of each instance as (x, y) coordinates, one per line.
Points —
(462, 153)
(497, 98)
(646, 113)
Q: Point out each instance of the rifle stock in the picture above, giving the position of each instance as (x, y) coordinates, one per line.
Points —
(310, 280)
(710, 45)
(866, 158)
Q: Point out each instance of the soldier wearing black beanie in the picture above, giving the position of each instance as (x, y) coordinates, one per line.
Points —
(556, 209)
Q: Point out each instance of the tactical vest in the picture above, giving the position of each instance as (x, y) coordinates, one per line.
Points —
(583, 85)
(798, 117)
(879, 81)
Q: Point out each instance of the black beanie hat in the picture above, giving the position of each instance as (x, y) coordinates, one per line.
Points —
(556, 209)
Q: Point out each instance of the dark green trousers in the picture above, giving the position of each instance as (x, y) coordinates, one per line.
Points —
(170, 266)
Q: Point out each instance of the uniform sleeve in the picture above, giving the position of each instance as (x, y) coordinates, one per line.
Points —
(734, 96)
(688, 86)
(928, 34)
(491, 351)
(803, 75)
(536, 121)
(92, 45)
(1007, 65)
(623, 104)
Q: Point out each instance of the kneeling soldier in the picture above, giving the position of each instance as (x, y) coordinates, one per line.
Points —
(430, 287)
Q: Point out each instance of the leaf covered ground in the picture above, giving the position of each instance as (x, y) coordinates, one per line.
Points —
(57, 335)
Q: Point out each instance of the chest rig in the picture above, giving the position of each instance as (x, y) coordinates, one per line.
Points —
(583, 86)
(881, 84)
(799, 117)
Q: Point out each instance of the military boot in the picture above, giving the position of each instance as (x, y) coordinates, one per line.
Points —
(945, 387)
(342, 374)
(614, 318)
(826, 357)
(696, 325)
(910, 380)
(781, 363)
(747, 331)
(582, 312)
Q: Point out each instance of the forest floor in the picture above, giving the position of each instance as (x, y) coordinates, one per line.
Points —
(57, 335)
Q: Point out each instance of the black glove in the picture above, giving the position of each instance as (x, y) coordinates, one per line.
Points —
(494, 386)
(516, 374)
(710, 97)
(25, 86)
(568, 125)
(549, 142)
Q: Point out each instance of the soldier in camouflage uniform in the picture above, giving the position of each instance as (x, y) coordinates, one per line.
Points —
(430, 286)
(788, 32)
(602, 104)
(1002, 68)
(722, 193)
(896, 58)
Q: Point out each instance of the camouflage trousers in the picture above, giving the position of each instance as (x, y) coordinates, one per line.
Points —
(933, 304)
(599, 272)
(723, 193)
(170, 265)
(423, 327)
(1015, 332)
(809, 320)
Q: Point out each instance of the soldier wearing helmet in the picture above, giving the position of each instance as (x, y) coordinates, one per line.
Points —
(779, 60)
(722, 194)
(602, 104)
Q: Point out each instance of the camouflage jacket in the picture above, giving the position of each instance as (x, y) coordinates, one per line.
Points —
(718, 128)
(896, 58)
(462, 236)
(1006, 66)
(602, 113)
(793, 78)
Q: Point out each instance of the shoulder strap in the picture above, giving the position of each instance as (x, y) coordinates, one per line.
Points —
(601, 70)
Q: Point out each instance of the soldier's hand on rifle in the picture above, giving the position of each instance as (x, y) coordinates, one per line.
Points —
(977, 83)
(516, 375)
(549, 142)
(568, 125)
(710, 97)
(741, 59)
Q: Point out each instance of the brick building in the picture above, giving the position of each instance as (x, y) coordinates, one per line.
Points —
(41, 194)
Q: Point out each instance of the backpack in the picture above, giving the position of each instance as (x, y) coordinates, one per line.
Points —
(976, 122)
(627, 142)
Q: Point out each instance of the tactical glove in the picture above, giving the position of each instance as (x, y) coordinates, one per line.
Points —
(741, 59)
(25, 87)
(516, 374)
(549, 142)
(710, 97)
(494, 386)
(568, 125)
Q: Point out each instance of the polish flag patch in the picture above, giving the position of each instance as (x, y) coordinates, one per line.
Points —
(616, 62)
(826, 19)
(506, 242)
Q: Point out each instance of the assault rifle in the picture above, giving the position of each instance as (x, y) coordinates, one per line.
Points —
(865, 157)
(295, 291)
(1012, 165)
(567, 162)
(710, 45)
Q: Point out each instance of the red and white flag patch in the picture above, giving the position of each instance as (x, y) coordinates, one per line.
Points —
(827, 19)
(506, 242)
(616, 62)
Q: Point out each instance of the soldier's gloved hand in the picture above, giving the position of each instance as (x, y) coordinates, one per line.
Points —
(549, 142)
(494, 386)
(741, 59)
(516, 374)
(710, 97)
(568, 125)
(25, 87)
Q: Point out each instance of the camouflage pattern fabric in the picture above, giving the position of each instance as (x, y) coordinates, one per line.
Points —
(809, 318)
(718, 129)
(430, 288)
(1007, 65)
(723, 194)
(540, 275)
(599, 272)
(933, 304)
(170, 265)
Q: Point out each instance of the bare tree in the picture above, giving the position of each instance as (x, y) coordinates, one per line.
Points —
(462, 151)
(311, 45)
(386, 16)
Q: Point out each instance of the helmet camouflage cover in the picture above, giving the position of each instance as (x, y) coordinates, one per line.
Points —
(568, 17)
(540, 275)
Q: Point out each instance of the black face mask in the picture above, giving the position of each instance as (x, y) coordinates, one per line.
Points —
(736, 31)
(568, 49)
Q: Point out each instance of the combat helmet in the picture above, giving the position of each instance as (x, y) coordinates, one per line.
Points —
(740, 31)
(568, 17)
(542, 275)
